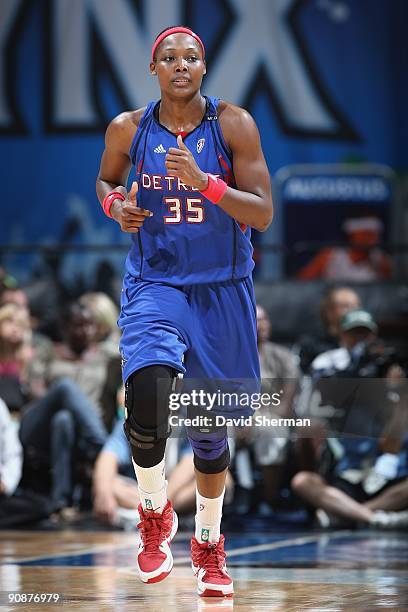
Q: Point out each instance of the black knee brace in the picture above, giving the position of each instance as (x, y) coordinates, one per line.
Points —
(212, 466)
(147, 413)
(211, 451)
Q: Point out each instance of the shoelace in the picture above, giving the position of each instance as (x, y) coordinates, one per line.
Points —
(151, 527)
(212, 559)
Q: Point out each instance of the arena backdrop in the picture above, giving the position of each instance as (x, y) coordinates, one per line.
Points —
(325, 80)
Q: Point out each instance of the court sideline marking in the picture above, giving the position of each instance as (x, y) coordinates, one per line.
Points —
(101, 548)
(98, 548)
(244, 550)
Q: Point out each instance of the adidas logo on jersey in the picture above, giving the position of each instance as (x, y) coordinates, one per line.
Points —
(160, 149)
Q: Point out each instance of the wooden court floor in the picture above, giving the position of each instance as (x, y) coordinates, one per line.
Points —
(290, 571)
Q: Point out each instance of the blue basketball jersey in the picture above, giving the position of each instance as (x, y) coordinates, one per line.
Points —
(188, 239)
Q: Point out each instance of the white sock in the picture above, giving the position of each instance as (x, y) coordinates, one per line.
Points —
(152, 486)
(208, 518)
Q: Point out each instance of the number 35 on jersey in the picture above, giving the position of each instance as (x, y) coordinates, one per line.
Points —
(190, 210)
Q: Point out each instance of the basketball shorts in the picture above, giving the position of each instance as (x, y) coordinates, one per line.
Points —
(207, 331)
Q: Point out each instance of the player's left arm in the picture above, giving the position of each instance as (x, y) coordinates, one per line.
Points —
(251, 202)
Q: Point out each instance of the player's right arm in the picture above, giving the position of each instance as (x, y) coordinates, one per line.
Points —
(114, 172)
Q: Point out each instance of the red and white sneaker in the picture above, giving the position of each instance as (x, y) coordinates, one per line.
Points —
(154, 558)
(208, 563)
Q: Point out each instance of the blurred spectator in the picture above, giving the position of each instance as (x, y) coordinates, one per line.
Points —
(60, 433)
(15, 339)
(38, 347)
(16, 354)
(17, 507)
(61, 430)
(109, 393)
(362, 261)
(45, 296)
(279, 374)
(333, 306)
(10, 453)
(80, 357)
(357, 330)
(6, 281)
(369, 479)
(13, 295)
(277, 363)
(106, 315)
(95, 368)
(348, 491)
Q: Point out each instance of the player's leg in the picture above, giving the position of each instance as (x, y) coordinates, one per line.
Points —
(210, 498)
(211, 462)
(390, 506)
(318, 493)
(224, 349)
(147, 429)
(394, 497)
(348, 501)
(152, 348)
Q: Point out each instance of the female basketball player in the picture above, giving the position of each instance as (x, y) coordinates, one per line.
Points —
(187, 299)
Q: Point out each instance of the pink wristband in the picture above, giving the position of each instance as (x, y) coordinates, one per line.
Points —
(215, 190)
(108, 201)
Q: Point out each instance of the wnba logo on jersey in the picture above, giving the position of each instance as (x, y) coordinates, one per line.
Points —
(200, 145)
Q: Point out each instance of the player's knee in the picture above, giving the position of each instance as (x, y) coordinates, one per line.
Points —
(146, 421)
(138, 437)
(147, 444)
(147, 402)
(302, 481)
(147, 451)
(211, 453)
(212, 466)
(62, 425)
(63, 388)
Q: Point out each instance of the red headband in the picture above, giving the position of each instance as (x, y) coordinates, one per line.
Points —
(176, 30)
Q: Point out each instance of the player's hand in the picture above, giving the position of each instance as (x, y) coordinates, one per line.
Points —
(127, 213)
(181, 163)
(105, 506)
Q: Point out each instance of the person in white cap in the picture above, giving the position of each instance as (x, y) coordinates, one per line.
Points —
(369, 482)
